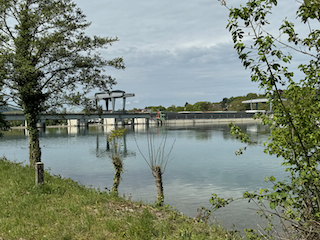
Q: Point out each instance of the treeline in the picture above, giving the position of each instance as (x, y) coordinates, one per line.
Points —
(226, 104)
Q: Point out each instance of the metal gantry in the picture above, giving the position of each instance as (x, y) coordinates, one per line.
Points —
(111, 96)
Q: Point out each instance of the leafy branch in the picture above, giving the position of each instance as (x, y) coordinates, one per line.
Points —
(295, 132)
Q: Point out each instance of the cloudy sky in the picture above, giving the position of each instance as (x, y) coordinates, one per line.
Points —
(175, 51)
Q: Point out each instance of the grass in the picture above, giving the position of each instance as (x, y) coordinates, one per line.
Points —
(63, 209)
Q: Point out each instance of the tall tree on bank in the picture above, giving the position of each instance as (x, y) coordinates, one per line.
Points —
(46, 57)
(295, 135)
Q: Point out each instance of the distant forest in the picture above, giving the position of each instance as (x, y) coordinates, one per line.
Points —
(226, 104)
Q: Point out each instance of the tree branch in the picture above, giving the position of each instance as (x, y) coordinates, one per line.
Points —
(7, 27)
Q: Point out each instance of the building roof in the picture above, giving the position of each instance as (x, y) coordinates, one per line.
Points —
(113, 94)
(259, 100)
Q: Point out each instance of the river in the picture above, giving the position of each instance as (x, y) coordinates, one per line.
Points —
(202, 162)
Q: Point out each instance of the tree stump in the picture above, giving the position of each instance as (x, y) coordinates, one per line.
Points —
(39, 173)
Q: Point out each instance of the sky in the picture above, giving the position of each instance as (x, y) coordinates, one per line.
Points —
(174, 51)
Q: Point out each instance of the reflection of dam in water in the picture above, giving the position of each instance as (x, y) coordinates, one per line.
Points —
(182, 120)
(252, 129)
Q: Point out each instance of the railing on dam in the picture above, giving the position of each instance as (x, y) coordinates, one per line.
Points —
(119, 115)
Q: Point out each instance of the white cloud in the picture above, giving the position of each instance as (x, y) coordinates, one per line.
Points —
(175, 51)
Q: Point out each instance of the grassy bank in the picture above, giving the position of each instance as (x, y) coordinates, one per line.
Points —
(63, 209)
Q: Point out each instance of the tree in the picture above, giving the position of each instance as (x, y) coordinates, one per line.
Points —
(237, 105)
(202, 106)
(224, 103)
(172, 108)
(156, 108)
(188, 107)
(180, 108)
(114, 140)
(46, 57)
(157, 162)
(295, 135)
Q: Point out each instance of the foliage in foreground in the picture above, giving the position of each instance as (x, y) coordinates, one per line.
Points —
(295, 135)
(63, 209)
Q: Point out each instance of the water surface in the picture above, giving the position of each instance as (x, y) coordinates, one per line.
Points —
(203, 162)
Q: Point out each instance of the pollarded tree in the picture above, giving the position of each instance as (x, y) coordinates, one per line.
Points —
(114, 139)
(157, 161)
(296, 125)
(46, 57)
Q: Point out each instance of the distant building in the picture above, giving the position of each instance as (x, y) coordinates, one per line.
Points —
(9, 109)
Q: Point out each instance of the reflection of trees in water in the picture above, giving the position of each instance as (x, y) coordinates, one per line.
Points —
(103, 150)
(206, 131)
(198, 132)
(226, 132)
(145, 129)
(65, 131)
(53, 131)
(14, 134)
(254, 131)
(203, 135)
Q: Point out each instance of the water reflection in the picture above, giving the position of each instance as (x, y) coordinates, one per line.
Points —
(203, 162)
(103, 150)
(202, 131)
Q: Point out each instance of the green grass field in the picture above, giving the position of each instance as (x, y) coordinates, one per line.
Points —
(63, 209)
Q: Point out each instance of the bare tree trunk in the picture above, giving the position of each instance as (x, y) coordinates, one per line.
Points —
(158, 178)
(34, 146)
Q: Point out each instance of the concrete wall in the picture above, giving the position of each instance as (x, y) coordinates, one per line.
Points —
(180, 122)
(109, 121)
(216, 115)
(77, 122)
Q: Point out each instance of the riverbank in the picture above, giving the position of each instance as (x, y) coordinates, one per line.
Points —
(63, 209)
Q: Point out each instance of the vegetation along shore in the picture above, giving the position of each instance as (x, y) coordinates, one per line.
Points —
(63, 209)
